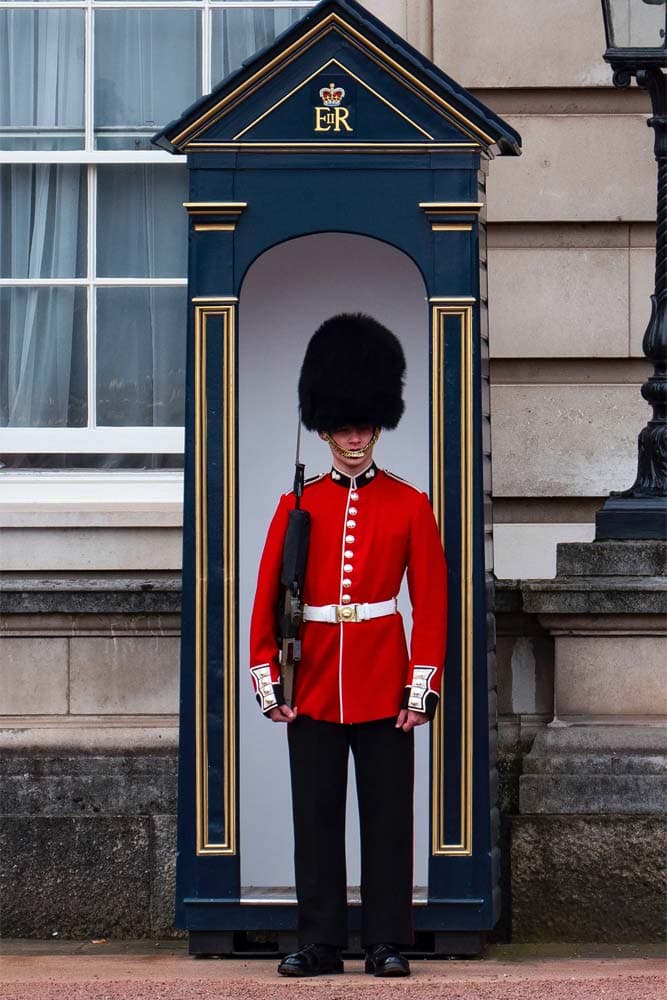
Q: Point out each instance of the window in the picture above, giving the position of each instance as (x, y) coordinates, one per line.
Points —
(92, 230)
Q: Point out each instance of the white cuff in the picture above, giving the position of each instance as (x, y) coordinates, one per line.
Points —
(419, 688)
(264, 686)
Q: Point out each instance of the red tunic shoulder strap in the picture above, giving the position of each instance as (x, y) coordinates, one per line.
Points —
(399, 479)
(309, 482)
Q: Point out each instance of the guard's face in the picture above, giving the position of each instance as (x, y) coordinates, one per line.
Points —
(345, 441)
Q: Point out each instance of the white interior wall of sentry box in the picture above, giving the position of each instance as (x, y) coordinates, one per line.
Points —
(286, 294)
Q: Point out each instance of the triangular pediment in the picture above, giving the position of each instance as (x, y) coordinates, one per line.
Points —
(331, 102)
(338, 78)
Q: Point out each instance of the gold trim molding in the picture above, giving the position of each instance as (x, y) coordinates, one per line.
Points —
(214, 227)
(457, 299)
(451, 227)
(223, 308)
(327, 147)
(215, 216)
(451, 216)
(451, 207)
(215, 207)
(442, 310)
(223, 311)
(214, 298)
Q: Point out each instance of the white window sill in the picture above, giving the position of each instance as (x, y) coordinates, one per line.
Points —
(89, 498)
(121, 440)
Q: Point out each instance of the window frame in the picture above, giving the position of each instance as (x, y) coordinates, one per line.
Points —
(93, 438)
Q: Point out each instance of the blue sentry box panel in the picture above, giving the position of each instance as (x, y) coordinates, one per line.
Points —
(341, 104)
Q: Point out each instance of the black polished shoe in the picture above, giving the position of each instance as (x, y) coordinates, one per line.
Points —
(312, 960)
(386, 960)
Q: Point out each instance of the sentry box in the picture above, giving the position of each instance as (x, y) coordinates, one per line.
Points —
(337, 170)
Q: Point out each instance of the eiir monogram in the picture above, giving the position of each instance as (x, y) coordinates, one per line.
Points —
(332, 117)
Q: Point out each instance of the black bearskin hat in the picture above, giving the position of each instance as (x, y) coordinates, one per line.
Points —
(352, 375)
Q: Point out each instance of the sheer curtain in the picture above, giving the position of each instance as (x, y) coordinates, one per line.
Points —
(238, 34)
(41, 78)
(147, 70)
(142, 233)
(40, 220)
(43, 329)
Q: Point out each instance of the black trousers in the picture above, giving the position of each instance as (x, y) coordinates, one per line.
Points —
(384, 767)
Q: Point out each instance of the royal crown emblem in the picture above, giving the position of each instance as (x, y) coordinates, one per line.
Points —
(332, 95)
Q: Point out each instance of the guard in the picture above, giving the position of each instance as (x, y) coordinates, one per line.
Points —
(356, 685)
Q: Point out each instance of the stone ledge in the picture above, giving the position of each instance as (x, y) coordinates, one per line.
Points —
(629, 558)
(45, 735)
(592, 769)
(84, 785)
(83, 593)
(92, 515)
(588, 793)
(599, 595)
(576, 739)
(598, 764)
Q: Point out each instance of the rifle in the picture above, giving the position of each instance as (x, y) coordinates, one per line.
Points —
(295, 554)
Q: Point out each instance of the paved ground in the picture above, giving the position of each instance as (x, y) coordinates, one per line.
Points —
(32, 970)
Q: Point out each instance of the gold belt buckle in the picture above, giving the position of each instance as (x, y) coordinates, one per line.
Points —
(346, 613)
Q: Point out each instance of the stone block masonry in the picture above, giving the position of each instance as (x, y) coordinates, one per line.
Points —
(87, 844)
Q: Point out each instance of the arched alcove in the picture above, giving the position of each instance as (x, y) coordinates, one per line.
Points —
(287, 292)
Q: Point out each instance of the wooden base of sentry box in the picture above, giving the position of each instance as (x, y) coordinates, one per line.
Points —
(271, 943)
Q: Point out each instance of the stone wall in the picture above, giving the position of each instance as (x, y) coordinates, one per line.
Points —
(571, 252)
(88, 760)
(88, 801)
(88, 838)
(584, 796)
(89, 626)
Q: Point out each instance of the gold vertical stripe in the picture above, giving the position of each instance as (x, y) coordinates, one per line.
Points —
(467, 581)
(440, 313)
(200, 587)
(438, 474)
(226, 313)
(229, 576)
(437, 415)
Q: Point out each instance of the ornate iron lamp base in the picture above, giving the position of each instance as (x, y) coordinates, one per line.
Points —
(625, 517)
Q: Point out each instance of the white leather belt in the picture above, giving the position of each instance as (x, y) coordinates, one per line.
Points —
(335, 613)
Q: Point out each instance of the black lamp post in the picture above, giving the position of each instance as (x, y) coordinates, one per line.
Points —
(635, 31)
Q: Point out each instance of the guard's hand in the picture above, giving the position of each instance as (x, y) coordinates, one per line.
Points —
(282, 713)
(407, 719)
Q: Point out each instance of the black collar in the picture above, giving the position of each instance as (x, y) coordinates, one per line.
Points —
(354, 482)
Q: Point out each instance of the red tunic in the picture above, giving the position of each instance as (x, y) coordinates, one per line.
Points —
(365, 533)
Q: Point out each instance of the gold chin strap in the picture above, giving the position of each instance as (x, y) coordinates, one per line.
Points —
(357, 452)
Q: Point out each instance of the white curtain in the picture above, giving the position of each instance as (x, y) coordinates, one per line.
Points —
(40, 207)
(238, 34)
(142, 233)
(147, 68)
(41, 76)
(141, 356)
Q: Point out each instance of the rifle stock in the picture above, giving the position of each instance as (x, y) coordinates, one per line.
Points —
(295, 554)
